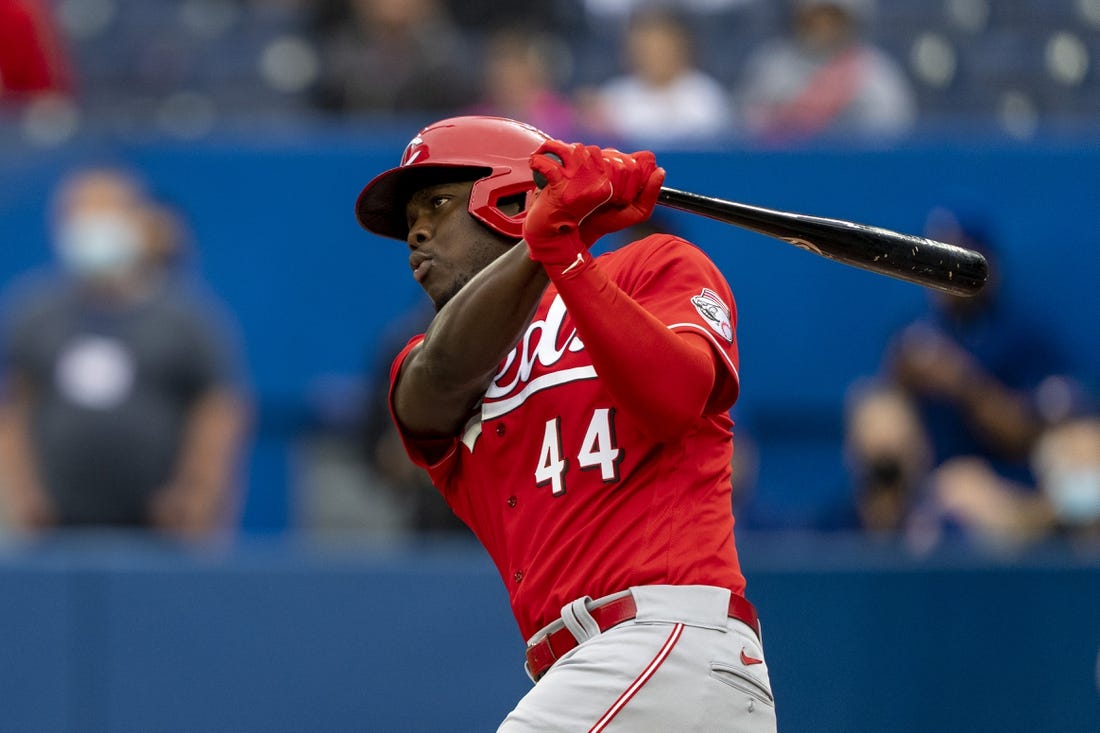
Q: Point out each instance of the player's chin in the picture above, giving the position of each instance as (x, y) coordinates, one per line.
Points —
(441, 295)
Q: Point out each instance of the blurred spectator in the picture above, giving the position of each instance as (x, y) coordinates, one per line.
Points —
(1065, 502)
(31, 57)
(390, 57)
(888, 454)
(970, 380)
(123, 405)
(1066, 463)
(976, 365)
(663, 98)
(520, 82)
(824, 79)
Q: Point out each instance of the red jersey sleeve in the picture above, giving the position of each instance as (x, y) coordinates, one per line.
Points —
(676, 282)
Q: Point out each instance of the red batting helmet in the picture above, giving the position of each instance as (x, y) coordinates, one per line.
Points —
(495, 150)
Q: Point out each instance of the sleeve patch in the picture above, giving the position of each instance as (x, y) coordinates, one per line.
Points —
(715, 312)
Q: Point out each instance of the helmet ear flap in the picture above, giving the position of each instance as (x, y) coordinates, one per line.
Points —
(501, 207)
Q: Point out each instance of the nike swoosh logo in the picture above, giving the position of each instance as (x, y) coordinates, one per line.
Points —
(747, 660)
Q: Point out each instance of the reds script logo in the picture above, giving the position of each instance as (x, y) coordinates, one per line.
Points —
(714, 312)
(544, 343)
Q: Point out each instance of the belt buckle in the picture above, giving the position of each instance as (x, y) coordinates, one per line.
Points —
(543, 643)
(530, 675)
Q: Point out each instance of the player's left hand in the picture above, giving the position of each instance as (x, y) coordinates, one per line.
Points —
(637, 183)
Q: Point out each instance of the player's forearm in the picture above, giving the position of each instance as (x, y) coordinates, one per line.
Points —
(661, 378)
(465, 343)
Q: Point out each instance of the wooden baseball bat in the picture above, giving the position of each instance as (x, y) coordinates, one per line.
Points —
(926, 262)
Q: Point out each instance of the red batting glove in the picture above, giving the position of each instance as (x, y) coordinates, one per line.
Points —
(637, 182)
(575, 187)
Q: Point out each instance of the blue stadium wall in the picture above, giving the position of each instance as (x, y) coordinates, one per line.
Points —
(106, 636)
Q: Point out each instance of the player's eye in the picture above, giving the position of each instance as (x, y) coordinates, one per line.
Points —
(439, 200)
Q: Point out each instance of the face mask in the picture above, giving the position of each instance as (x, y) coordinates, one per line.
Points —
(99, 245)
(1075, 495)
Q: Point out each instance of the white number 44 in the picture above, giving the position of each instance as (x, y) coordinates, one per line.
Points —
(598, 450)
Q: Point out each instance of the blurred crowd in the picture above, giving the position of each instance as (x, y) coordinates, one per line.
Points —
(125, 400)
(678, 72)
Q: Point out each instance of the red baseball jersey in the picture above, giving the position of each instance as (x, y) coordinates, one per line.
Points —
(567, 494)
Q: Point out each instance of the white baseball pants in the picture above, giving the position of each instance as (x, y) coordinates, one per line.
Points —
(681, 665)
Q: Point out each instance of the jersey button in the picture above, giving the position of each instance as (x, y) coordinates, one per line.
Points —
(500, 428)
(512, 501)
(518, 576)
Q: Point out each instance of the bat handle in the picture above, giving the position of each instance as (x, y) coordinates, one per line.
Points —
(540, 180)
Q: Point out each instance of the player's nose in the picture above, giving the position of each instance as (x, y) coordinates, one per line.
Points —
(420, 231)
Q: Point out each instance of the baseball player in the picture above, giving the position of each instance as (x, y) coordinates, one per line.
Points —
(574, 412)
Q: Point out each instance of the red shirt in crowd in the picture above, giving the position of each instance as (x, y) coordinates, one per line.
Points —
(31, 57)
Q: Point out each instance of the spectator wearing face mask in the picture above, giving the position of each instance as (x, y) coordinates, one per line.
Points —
(122, 402)
(1066, 462)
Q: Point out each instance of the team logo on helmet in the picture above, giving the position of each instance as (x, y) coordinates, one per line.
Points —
(714, 312)
(412, 151)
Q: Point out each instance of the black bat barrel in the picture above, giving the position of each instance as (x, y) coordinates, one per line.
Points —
(926, 262)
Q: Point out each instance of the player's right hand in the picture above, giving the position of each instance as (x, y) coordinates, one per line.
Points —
(577, 184)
